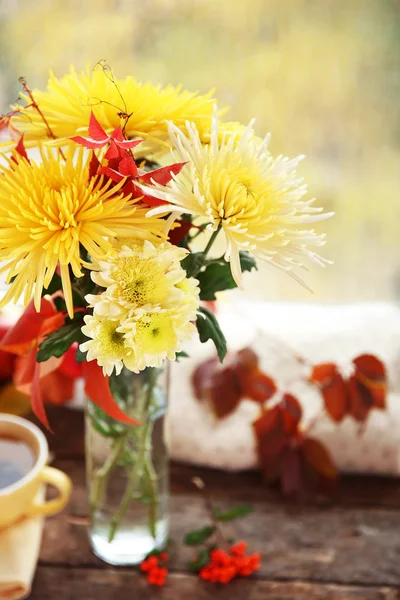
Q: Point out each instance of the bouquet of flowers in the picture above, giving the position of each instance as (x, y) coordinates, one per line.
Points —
(97, 225)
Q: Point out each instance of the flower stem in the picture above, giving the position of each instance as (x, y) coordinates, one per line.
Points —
(212, 240)
(144, 446)
(101, 476)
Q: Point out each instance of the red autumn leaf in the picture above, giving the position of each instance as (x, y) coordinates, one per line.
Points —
(98, 390)
(333, 388)
(336, 399)
(371, 373)
(7, 360)
(202, 378)
(95, 129)
(21, 150)
(316, 455)
(69, 366)
(225, 392)
(257, 386)
(94, 166)
(323, 373)
(20, 338)
(361, 399)
(177, 234)
(99, 138)
(162, 175)
(292, 412)
(56, 387)
(127, 166)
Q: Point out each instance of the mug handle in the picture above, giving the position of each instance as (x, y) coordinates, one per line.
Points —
(59, 480)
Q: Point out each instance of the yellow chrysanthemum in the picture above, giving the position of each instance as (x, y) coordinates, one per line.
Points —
(157, 335)
(107, 344)
(48, 210)
(68, 100)
(238, 186)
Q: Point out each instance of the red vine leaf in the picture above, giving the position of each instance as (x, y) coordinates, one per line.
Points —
(291, 413)
(318, 457)
(333, 388)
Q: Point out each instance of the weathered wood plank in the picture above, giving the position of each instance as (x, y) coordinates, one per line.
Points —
(92, 584)
(341, 545)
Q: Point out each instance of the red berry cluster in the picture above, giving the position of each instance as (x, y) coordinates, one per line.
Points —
(155, 569)
(224, 566)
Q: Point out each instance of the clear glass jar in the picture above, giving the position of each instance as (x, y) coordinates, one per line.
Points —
(127, 470)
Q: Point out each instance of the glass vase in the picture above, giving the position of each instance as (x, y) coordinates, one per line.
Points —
(127, 470)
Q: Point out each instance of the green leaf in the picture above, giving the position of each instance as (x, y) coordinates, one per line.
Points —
(198, 536)
(80, 356)
(234, 513)
(201, 561)
(181, 354)
(193, 263)
(58, 342)
(217, 276)
(209, 329)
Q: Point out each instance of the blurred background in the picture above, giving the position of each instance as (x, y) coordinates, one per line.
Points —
(322, 75)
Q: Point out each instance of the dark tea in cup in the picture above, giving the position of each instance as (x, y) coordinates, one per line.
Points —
(16, 460)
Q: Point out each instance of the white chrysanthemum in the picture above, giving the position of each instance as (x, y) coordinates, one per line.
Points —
(255, 198)
(108, 344)
(139, 275)
(146, 309)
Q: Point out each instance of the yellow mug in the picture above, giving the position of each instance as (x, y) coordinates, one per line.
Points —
(20, 499)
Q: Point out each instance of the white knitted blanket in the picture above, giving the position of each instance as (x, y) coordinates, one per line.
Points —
(335, 333)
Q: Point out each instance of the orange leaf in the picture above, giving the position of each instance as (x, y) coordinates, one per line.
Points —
(323, 373)
(361, 399)
(319, 458)
(257, 386)
(98, 389)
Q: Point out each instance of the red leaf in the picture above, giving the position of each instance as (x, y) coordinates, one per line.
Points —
(202, 378)
(20, 148)
(270, 422)
(177, 234)
(94, 166)
(371, 373)
(360, 398)
(96, 131)
(333, 388)
(56, 388)
(319, 458)
(291, 414)
(20, 338)
(257, 386)
(162, 175)
(127, 166)
(323, 373)
(69, 366)
(335, 395)
(98, 390)
(225, 392)
(88, 142)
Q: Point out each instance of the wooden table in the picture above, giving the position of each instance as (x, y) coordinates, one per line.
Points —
(350, 550)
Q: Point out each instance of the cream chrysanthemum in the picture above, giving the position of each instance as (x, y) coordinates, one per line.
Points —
(139, 275)
(238, 186)
(68, 101)
(108, 344)
(49, 211)
(149, 301)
